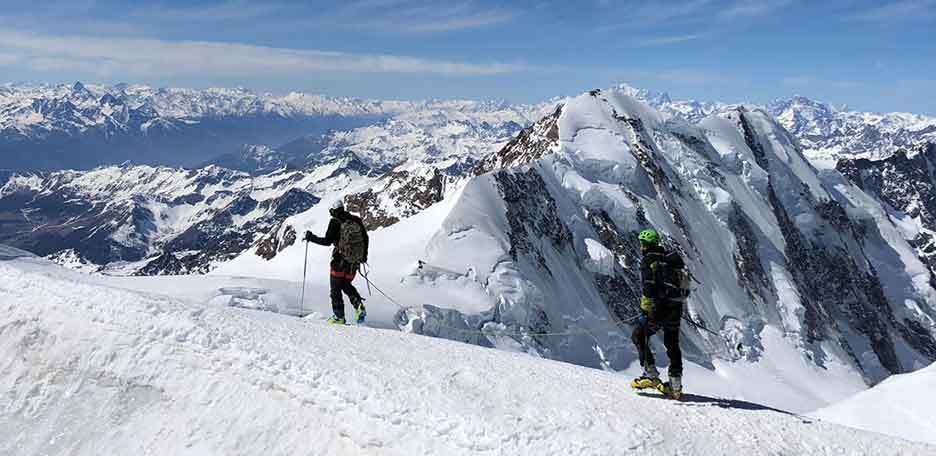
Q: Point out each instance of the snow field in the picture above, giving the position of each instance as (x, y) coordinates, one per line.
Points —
(900, 406)
(90, 368)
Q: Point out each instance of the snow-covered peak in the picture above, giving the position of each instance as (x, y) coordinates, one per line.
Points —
(830, 133)
(826, 132)
(655, 99)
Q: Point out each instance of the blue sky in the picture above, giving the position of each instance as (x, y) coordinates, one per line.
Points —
(878, 56)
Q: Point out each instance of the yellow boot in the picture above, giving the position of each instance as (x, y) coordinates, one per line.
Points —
(671, 389)
(644, 382)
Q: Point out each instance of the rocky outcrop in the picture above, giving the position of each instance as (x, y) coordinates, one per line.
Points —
(530, 144)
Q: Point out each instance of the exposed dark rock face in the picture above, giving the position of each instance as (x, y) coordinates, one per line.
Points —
(272, 243)
(530, 144)
(748, 264)
(178, 221)
(47, 223)
(170, 264)
(620, 290)
(532, 214)
(220, 238)
(906, 183)
(400, 194)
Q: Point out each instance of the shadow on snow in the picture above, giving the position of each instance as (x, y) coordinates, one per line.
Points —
(697, 400)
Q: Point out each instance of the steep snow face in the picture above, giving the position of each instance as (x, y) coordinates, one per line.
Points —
(829, 133)
(898, 406)
(90, 366)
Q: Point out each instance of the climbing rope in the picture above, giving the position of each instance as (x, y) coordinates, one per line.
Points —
(365, 272)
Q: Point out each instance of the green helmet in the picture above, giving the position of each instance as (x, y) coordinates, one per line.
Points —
(649, 237)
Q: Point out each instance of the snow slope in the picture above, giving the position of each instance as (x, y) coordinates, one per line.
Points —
(91, 368)
(902, 406)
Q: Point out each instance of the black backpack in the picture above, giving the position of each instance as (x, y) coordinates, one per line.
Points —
(677, 282)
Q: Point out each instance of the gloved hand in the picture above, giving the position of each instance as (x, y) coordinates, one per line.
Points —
(647, 305)
(308, 236)
(642, 319)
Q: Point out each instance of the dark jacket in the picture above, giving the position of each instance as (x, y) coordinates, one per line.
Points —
(651, 278)
(333, 234)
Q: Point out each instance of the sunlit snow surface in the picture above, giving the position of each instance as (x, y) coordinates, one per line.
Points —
(901, 405)
(93, 367)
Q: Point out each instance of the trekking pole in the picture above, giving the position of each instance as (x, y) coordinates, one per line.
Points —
(364, 270)
(305, 263)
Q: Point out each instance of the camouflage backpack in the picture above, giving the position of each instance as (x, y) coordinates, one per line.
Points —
(352, 244)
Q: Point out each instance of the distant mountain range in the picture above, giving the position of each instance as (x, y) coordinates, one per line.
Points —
(52, 127)
(825, 132)
(141, 219)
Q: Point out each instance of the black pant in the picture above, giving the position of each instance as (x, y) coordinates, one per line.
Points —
(342, 274)
(666, 317)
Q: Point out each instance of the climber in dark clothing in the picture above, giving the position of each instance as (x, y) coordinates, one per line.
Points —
(346, 232)
(659, 312)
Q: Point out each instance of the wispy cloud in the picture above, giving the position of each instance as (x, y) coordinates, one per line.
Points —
(904, 9)
(417, 16)
(655, 12)
(667, 40)
(752, 8)
(456, 23)
(9, 59)
(144, 57)
(231, 10)
(688, 15)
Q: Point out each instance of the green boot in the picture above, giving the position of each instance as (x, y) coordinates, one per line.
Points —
(360, 313)
(336, 321)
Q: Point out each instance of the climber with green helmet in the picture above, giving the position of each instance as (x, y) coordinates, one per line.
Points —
(661, 309)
